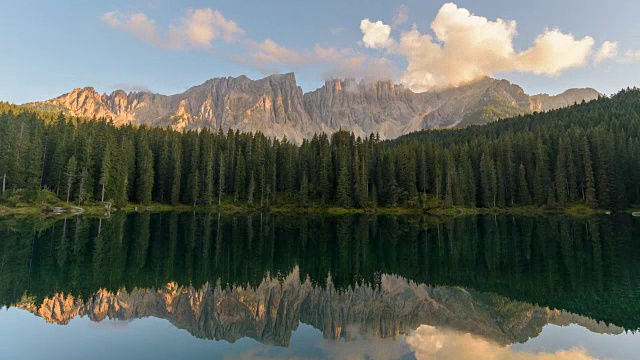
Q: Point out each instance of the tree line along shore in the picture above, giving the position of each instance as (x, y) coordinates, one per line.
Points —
(585, 157)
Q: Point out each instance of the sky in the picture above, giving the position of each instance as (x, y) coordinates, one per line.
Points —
(47, 48)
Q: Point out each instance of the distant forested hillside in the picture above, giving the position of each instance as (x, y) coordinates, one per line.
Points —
(588, 153)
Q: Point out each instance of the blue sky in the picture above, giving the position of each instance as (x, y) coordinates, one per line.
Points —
(51, 47)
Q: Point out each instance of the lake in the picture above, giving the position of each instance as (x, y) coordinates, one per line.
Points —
(201, 285)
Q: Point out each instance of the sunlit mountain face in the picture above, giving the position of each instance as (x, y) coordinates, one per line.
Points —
(376, 287)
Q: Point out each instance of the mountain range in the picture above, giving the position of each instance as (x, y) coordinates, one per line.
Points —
(277, 106)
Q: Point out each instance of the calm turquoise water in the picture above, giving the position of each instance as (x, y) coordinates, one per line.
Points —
(203, 286)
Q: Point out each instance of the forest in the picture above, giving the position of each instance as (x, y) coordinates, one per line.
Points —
(585, 154)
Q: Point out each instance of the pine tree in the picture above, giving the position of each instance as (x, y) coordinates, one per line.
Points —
(175, 170)
(241, 177)
(221, 177)
(488, 181)
(163, 169)
(71, 169)
(193, 175)
(83, 192)
(423, 176)
(407, 172)
(524, 197)
(304, 189)
(359, 176)
(541, 179)
(572, 174)
(469, 181)
(105, 170)
(263, 184)
(343, 187)
(389, 179)
(561, 183)
(208, 184)
(144, 169)
(590, 187)
(451, 181)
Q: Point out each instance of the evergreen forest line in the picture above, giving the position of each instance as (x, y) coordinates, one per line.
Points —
(585, 154)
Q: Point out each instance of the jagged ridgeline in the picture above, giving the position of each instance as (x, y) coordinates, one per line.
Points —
(277, 107)
(373, 270)
(585, 154)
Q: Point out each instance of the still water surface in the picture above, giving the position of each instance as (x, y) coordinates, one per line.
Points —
(203, 286)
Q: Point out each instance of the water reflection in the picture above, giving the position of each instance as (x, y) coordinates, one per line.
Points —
(271, 311)
(440, 288)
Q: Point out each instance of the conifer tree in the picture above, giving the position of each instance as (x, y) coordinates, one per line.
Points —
(175, 170)
(105, 170)
(71, 169)
(590, 188)
(488, 181)
(241, 177)
(343, 187)
(221, 177)
(83, 191)
(193, 175)
(541, 179)
(304, 189)
(523, 193)
(144, 169)
(562, 184)
(208, 164)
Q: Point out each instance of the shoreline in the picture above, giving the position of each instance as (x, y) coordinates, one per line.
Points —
(98, 209)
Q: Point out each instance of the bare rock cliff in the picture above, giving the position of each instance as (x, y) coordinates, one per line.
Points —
(277, 107)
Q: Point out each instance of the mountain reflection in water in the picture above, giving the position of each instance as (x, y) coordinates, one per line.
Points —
(463, 284)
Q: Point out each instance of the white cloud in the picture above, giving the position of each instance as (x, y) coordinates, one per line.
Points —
(269, 53)
(111, 18)
(197, 29)
(608, 50)
(467, 47)
(402, 16)
(269, 56)
(376, 34)
(631, 56)
(138, 24)
(461, 47)
(201, 27)
(555, 52)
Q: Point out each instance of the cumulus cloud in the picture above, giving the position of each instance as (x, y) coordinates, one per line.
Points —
(197, 29)
(138, 24)
(375, 34)
(631, 56)
(401, 16)
(466, 47)
(429, 342)
(553, 53)
(608, 50)
(269, 52)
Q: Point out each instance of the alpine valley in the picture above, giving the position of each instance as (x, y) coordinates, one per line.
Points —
(277, 106)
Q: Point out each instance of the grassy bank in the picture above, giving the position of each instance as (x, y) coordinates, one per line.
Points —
(47, 204)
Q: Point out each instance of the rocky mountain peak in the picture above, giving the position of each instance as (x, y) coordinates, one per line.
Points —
(277, 106)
